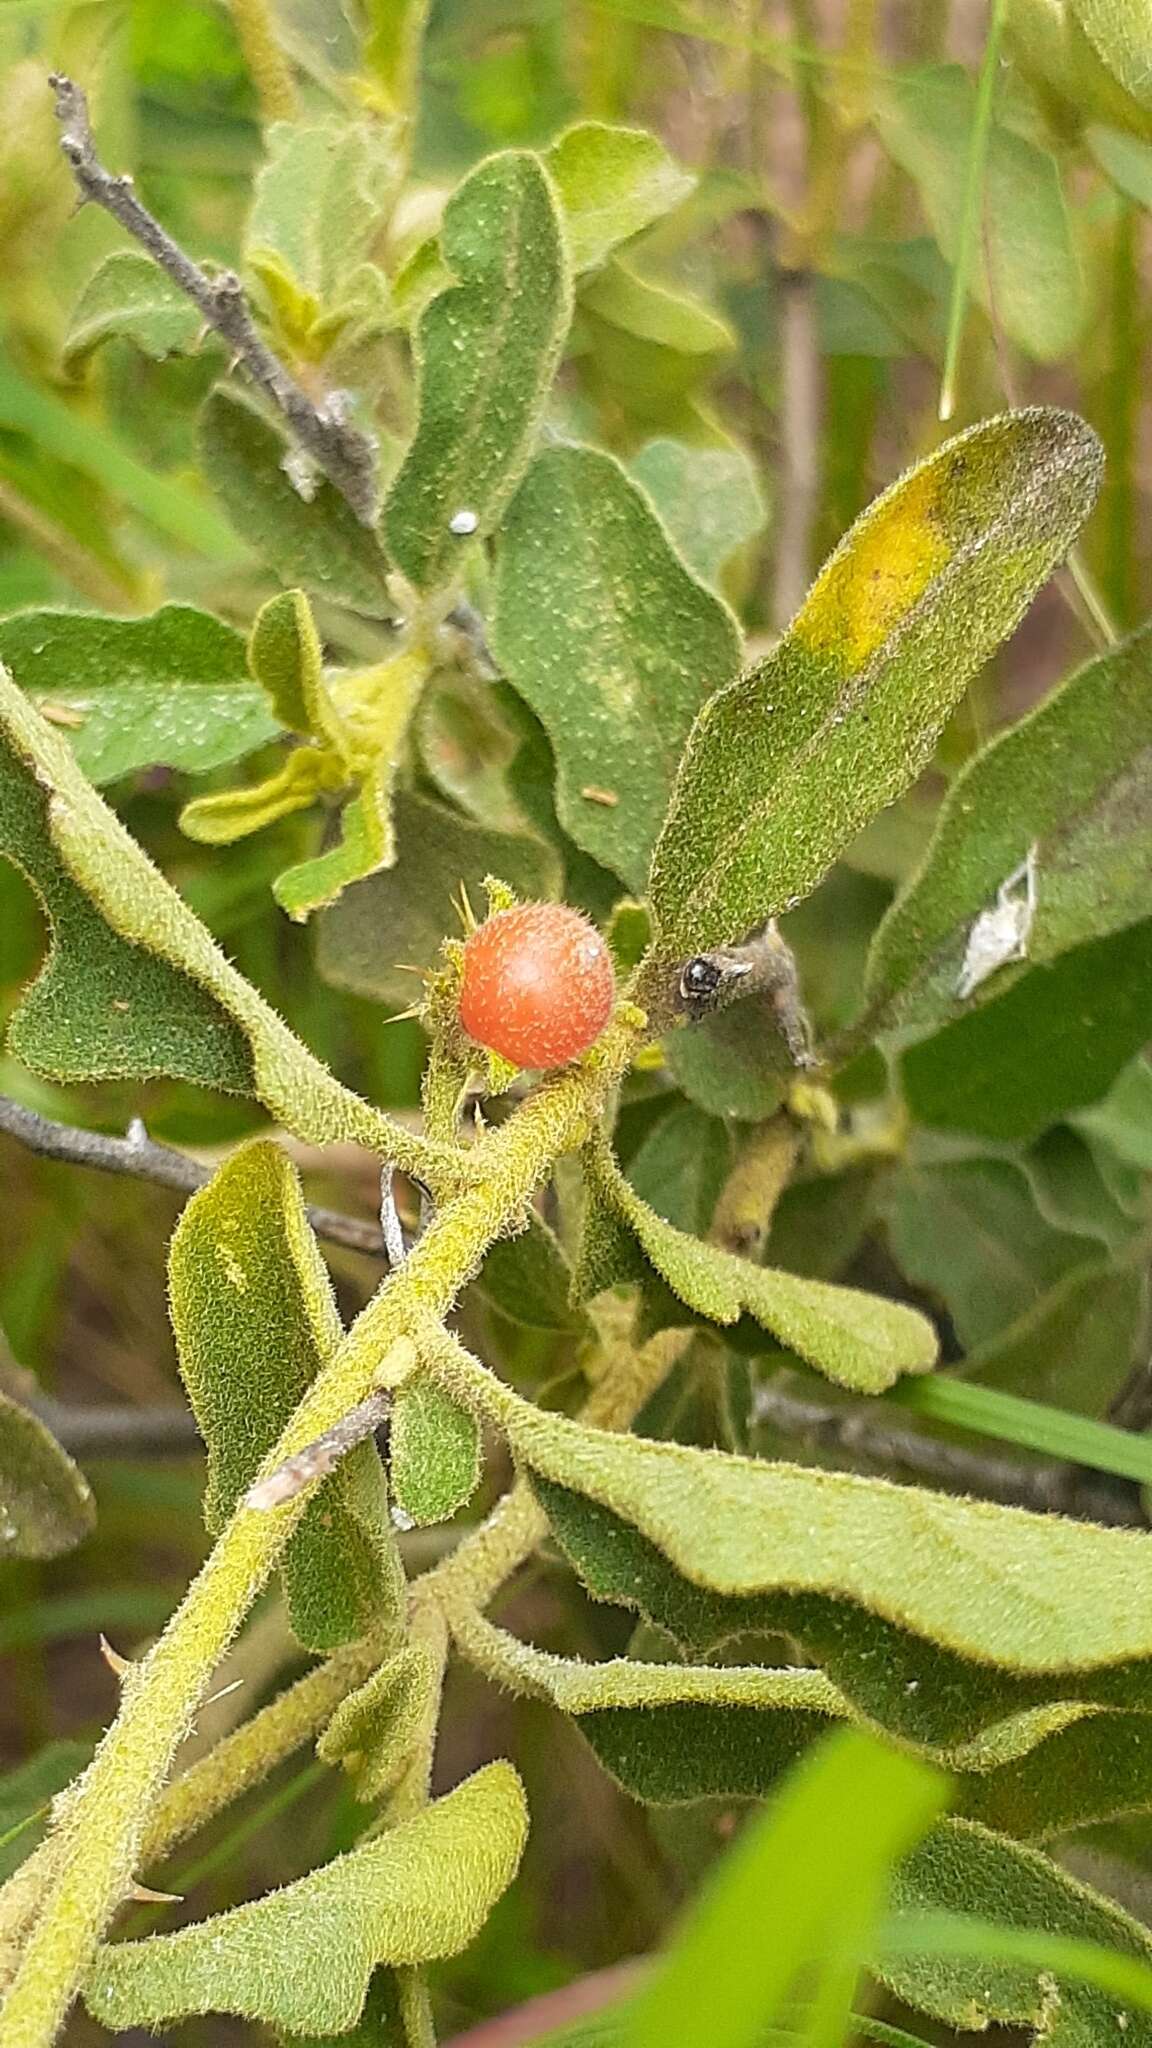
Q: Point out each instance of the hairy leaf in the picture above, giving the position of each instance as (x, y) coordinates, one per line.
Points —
(1070, 781)
(134, 986)
(46, 1504)
(1076, 1346)
(858, 1340)
(487, 350)
(681, 1166)
(964, 1868)
(434, 1452)
(318, 197)
(787, 764)
(420, 1891)
(315, 540)
(373, 1731)
(612, 183)
(404, 913)
(1029, 1594)
(285, 656)
(1030, 269)
(1120, 32)
(255, 1321)
(602, 630)
(172, 689)
(129, 298)
(529, 1279)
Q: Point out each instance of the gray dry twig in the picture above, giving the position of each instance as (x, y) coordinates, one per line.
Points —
(345, 455)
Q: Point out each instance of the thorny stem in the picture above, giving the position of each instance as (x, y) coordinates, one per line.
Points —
(347, 457)
(104, 1820)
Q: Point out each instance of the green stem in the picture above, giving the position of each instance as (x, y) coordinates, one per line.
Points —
(972, 208)
(267, 64)
(104, 1820)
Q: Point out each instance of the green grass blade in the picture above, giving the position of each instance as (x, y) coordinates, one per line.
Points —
(970, 221)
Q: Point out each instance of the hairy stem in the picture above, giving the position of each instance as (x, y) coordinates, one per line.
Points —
(105, 1818)
(267, 65)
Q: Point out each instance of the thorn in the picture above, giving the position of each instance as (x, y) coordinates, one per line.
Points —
(142, 1895)
(223, 1693)
(118, 1665)
(464, 911)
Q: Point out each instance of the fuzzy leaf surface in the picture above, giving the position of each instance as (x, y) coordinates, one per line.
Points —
(434, 1452)
(856, 1339)
(613, 644)
(373, 1731)
(46, 1504)
(134, 986)
(1073, 780)
(316, 542)
(129, 298)
(421, 1891)
(1027, 1593)
(255, 1322)
(785, 765)
(965, 1868)
(613, 183)
(707, 494)
(487, 350)
(1120, 32)
(171, 690)
(318, 197)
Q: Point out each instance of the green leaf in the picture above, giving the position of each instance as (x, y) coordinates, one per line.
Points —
(1075, 1347)
(1070, 1191)
(487, 350)
(1123, 1120)
(968, 1232)
(404, 913)
(231, 814)
(171, 689)
(316, 542)
(620, 298)
(129, 298)
(319, 195)
(26, 1792)
(1037, 284)
(134, 986)
(708, 496)
(784, 766)
(1053, 1042)
(858, 1340)
(365, 846)
(1120, 32)
(611, 642)
(528, 1278)
(434, 1452)
(46, 1504)
(962, 1868)
(732, 1065)
(468, 744)
(1096, 1768)
(255, 1322)
(681, 1166)
(814, 1868)
(1125, 160)
(612, 183)
(1030, 1594)
(285, 656)
(374, 1731)
(1070, 780)
(390, 1900)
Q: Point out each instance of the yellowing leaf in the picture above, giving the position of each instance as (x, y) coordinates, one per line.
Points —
(784, 766)
(421, 1891)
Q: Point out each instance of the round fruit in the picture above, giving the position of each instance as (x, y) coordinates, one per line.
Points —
(537, 985)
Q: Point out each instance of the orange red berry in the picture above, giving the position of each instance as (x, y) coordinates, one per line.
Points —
(537, 984)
